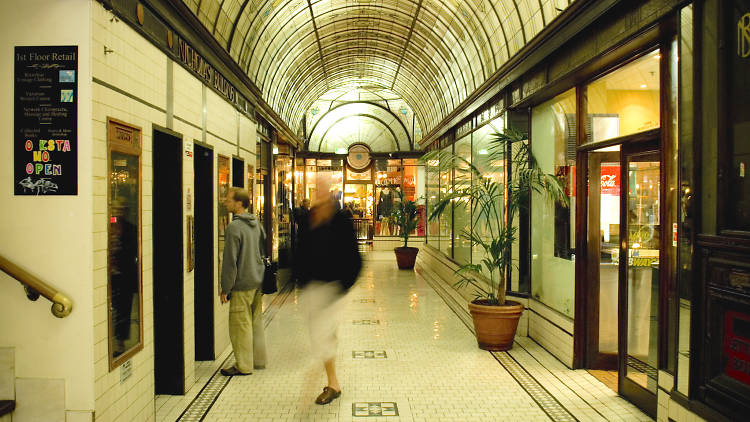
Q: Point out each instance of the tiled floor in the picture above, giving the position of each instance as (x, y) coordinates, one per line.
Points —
(403, 355)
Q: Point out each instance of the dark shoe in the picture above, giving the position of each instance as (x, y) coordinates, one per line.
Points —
(327, 395)
(230, 372)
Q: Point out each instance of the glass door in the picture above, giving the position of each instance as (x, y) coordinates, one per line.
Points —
(639, 275)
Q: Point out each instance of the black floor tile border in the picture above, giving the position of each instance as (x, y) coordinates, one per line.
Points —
(546, 401)
(205, 399)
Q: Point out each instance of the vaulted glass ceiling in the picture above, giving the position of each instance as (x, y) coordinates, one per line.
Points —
(361, 114)
(432, 53)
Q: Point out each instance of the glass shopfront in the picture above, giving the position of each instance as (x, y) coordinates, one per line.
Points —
(222, 189)
(462, 210)
(623, 262)
(371, 195)
(432, 187)
(445, 230)
(491, 170)
(553, 144)
(282, 209)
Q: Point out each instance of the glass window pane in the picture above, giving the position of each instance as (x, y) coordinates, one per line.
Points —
(491, 167)
(446, 218)
(553, 226)
(222, 180)
(738, 106)
(124, 253)
(625, 101)
(462, 209)
(687, 180)
(432, 196)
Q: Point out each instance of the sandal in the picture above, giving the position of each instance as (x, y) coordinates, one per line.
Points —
(230, 372)
(327, 395)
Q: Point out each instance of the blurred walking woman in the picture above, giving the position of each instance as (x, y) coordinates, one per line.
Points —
(326, 265)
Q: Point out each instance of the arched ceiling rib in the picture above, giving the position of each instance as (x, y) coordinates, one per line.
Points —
(433, 53)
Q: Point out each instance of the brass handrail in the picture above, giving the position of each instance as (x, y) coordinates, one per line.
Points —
(61, 305)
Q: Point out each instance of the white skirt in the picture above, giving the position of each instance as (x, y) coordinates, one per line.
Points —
(324, 301)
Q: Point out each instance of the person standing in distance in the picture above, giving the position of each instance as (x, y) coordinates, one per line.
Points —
(241, 278)
(327, 265)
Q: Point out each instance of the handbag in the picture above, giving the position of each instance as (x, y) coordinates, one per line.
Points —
(269, 278)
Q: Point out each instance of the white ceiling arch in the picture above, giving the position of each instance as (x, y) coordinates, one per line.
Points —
(433, 53)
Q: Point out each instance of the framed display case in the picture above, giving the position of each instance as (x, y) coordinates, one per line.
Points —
(124, 269)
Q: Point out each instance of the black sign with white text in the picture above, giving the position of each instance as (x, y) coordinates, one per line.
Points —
(45, 145)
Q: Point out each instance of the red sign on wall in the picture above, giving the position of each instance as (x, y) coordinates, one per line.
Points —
(737, 346)
(610, 180)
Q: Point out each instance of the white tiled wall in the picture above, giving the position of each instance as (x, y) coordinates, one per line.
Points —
(133, 399)
(188, 101)
(221, 117)
(188, 187)
(546, 327)
(138, 68)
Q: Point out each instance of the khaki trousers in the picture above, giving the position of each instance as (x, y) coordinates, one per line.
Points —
(246, 330)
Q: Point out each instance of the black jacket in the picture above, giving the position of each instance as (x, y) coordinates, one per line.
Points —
(329, 252)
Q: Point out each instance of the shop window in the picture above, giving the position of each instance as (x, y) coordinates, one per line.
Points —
(413, 188)
(251, 186)
(491, 167)
(685, 271)
(282, 211)
(124, 270)
(432, 185)
(625, 101)
(462, 209)
(737, 163)
(222, 181)
(445, 232)
(553, 226)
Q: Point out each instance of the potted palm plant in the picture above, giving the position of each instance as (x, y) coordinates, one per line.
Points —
(405, 216)
(492, 227)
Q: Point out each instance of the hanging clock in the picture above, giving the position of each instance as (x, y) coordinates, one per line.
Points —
(358, 157)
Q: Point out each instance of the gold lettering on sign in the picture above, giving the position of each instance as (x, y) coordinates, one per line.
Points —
(743, 36)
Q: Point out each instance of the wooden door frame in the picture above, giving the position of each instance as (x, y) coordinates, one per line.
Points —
(594, 359)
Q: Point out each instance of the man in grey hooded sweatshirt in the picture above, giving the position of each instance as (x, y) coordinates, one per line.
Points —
(241, 277)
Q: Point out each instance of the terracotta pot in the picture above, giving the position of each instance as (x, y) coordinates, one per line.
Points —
(406, 256)
(495, 326)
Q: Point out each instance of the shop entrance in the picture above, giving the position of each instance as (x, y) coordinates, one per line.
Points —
(169, 338)
(623, 269)
(359, 199)
(204, 253)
